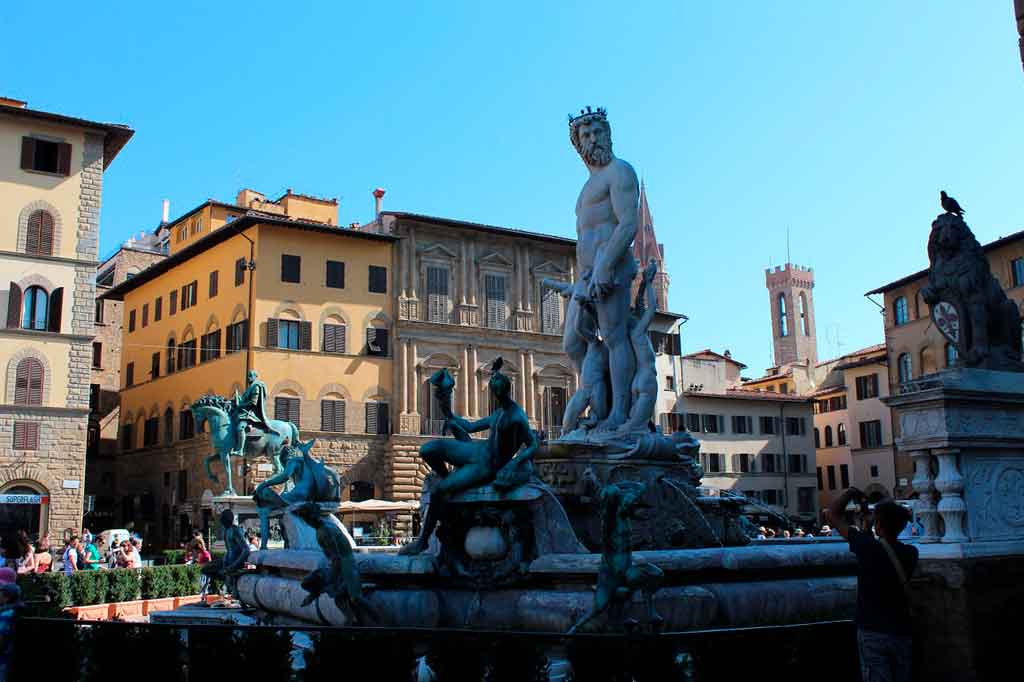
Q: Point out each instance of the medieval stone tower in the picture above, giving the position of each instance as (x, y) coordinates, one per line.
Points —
(646, 248)
(791, 300)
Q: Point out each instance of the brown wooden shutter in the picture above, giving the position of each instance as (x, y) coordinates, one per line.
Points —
(213, 283)
(184, 297)
(272, 325)
(28, 153)
(305, 336)
(371, 417)
(14, 307)
(64, 158)
(56, 305)
(173, 306)
(327, 339)
(45, 245)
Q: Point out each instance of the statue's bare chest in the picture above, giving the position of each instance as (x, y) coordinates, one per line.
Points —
(594, 193)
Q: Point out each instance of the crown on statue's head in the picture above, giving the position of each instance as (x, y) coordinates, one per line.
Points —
(587, 115)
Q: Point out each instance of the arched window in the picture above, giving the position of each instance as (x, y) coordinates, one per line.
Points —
(841, 433)
(900, 314)
(39, 234)
(783, 324)
(35, 308)
(817, 438)
(803, 314)
(950, 355)
(905, 368)
(828, 436)
(28, 382)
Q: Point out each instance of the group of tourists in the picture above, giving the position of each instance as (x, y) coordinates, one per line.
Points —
(768, 533)
(84, 552)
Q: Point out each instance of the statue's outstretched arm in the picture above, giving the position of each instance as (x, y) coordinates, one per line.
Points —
(471, 426)
(563, 288)
(277, 479)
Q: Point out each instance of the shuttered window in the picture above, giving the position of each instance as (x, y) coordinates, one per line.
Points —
(376, 341)
(187, 355)
(28, 382)
(291, 334)
(494, 293)
(173, 307)
(332, 415)
(158, 308)
(189, 294)
(334, 338)
(145, 314)
(129, 375)
(131, 320)
(45, 156)
(291, 268)
(240, 268)
(377, 418)
(214, 276)
(209, 347)
(39, 234)
(378, 280)
(238, 337)
(335, 274)
(154, 367)
(26, 435)
(437, 294)
(287, 409)
(551, 312)
(170, 357)
(39, 310)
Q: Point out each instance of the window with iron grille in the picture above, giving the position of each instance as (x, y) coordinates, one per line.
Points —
(26, 435)
(377, 418)
(378, 280)
(494, 296)
(335, 274)
(334, 338)
(332, 415)
(291, 268)
(437, 294)
(376, 341)
(551, 311)
(287, 409)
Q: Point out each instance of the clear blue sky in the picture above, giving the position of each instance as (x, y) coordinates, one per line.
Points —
(840, 121)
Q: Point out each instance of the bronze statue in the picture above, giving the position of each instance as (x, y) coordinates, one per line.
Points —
(313, 481)
(618, 577)
(236, 552)
(504, 459)
(989, 323)
(340, 579)
(251, 408)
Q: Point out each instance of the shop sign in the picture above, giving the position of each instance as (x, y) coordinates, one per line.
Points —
(24, 499)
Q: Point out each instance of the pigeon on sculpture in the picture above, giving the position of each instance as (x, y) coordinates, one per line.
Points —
(950, 205)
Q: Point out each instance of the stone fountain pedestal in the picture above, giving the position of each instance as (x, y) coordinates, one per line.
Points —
(964, 430)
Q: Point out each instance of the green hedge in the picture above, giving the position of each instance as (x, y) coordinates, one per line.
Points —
(50, 593)
(177, 556)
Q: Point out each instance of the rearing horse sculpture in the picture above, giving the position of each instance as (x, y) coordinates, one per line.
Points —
(218, 412)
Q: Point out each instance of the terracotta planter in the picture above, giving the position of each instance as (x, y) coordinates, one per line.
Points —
(128, 609)
(161, 604)
(93, 612)
(184, 601)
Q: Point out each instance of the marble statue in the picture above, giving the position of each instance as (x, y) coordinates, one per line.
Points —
(227, 418)
(606, 214)
(312, 481)
(618, 578)
(504, 459)
(236, 552)
(340, 578)
(987, 328)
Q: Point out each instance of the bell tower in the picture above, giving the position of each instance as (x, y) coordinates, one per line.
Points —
(791, 301)
(645, 249)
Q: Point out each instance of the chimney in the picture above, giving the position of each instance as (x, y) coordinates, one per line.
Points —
(378, 196)
(167, 212)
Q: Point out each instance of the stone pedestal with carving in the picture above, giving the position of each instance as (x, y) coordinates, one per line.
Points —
(964, 430)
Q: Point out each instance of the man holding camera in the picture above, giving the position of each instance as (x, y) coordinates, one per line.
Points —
(883, 566)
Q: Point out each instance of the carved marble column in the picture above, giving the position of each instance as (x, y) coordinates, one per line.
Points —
(472, 383)
(467, 374)
(531, 397)
(923, 484)
(416, 377)
(403, 350)
(950, 486)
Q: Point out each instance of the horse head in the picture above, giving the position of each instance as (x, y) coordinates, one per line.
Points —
(210, 406)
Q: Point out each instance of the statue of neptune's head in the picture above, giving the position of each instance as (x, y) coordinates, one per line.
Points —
(591, 135)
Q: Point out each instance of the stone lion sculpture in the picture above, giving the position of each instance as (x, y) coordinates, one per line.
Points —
(990, 324)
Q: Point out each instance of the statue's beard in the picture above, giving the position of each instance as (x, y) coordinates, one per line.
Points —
(596, 155)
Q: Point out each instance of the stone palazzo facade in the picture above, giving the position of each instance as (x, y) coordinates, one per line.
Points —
(467, 294)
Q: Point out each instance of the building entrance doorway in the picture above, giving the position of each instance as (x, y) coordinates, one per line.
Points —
(22, 508)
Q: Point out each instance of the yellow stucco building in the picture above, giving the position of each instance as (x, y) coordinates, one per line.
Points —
(51, 183)
(270, 285)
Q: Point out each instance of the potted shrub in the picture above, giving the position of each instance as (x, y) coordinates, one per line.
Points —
(123, 592)
(156, 589)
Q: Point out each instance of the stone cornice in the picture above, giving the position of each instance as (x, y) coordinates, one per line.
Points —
(50, 259)
(44, 410)
(46, 336)
(420, 330)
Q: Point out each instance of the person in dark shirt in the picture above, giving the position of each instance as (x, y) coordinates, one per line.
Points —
(883, 566)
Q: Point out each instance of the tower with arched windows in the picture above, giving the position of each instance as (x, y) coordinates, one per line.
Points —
(791, 301)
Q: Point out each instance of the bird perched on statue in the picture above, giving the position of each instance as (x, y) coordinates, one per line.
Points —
(950, 205)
